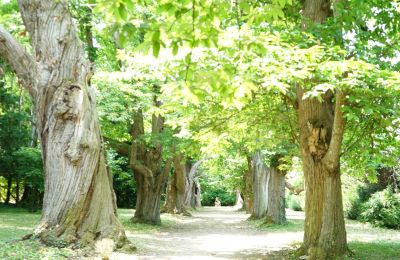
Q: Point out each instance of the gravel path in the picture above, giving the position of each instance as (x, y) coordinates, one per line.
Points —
(212, 233)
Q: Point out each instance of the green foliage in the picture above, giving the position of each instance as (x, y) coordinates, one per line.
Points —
(293, 202)
(213, 187)
(364, 192)
(123, 182)
(383, 209)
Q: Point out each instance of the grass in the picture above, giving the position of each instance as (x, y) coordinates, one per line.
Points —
(16, 222)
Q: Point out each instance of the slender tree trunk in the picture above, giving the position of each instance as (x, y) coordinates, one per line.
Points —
(248, 187)
(276, 198)
(16, 191)
(8, 193)
(79, 203)
(150, 175)
(261, 176)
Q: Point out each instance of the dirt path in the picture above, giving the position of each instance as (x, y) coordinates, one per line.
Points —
(212, 233)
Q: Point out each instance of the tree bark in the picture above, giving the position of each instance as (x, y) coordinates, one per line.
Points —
(248, 187)
(261, 176)
(193, 189)
(149, 173)
(321, 127)
(276, 198)
(177, 188)
(79, 203)
(321, 132)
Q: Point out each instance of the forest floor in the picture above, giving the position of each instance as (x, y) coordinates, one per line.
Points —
(211, 233)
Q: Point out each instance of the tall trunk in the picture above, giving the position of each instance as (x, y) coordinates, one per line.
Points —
(261, 177)
(79, 203)
(146, 164)
(17, 191)
(248, 187)
(321, 131)
(321, 127)
(177, 186)
(276, 197)
(8, 193)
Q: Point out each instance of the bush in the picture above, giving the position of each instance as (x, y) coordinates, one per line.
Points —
(383, 209)
(364, 192)
(293, 202)
(209, 194)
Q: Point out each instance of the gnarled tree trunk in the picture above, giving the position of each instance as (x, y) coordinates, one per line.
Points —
(177, 187)
(276, 198)
(79, 204)
(261, 177)
(193, 189)
(321, 127)
(149, 173)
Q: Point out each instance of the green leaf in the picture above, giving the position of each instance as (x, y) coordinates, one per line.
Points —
(156, 48)
(122, 12)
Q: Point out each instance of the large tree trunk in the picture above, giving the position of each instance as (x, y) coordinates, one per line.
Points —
(177, 187)
(248, 187)
(321, 131)
(321, 127)
(150, 175)
(79, 203)
(276, 198)
(261, 177)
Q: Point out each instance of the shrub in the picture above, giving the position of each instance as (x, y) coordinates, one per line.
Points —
(383, 209)
(293, 202)
(364, 192)
(208, 196)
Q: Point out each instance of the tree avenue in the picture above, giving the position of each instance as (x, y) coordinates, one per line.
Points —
(79, 205)
(201, 103)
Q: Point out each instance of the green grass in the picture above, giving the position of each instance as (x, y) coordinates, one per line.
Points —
(379, 250)
(16, 222)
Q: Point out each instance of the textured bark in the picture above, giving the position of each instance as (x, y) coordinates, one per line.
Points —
(276, 198)
(79, 205)
(248, 187)
(321, 130)
(177, 188)
(261, 177)
(321, 127)
(193, 189)
(149, 173)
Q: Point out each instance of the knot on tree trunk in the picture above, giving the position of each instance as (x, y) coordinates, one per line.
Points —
(318, 141)
(69, 98)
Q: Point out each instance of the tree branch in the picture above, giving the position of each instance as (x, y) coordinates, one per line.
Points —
(293, 189)
(19, 59)
(331, 158)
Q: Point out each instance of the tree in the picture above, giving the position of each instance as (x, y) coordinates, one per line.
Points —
(321, 125)
(79, 205)
(146, 162)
